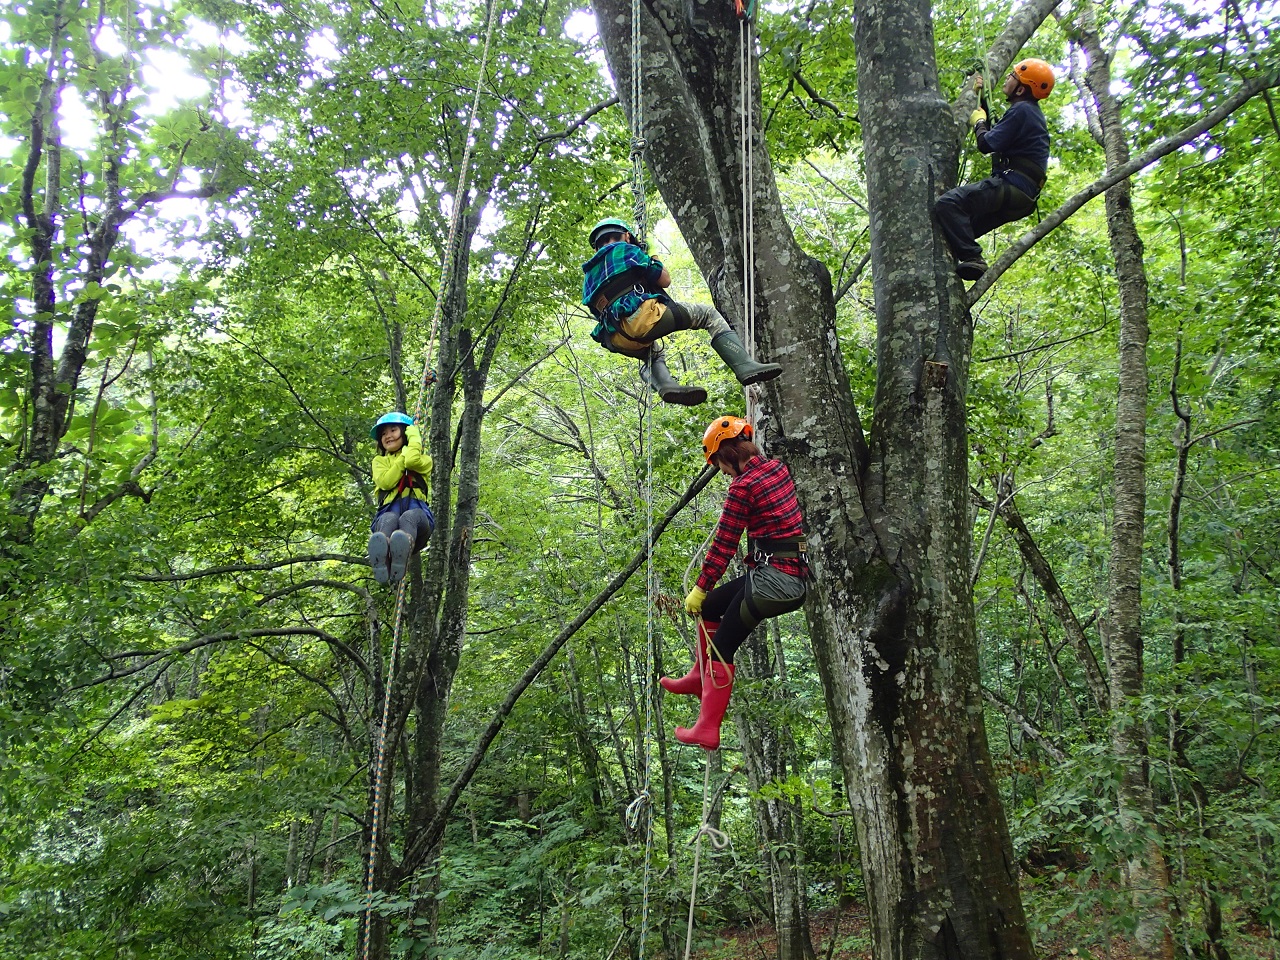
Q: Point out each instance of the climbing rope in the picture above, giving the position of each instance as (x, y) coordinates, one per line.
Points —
(642, 806)
(746, 116)
(427, 380)
(637, 125)
(980, 39)
(719, 840)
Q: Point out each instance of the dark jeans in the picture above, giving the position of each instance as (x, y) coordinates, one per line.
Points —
(739, 605)
(974, 209)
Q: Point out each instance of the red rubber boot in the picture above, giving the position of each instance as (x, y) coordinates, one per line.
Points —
(717, 687)
(691, 683)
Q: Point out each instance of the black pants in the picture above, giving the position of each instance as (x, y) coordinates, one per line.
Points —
(974, 209)
(739, 605)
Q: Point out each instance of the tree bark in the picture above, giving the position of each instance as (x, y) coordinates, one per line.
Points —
(891, 608)
(63, 267)
(435, 617)
(1147, 869)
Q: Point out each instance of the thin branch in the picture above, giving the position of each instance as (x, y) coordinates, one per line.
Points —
(1044, 346)
(814, 95)
(155, 656)
(247, 568)
(853, 278)
(569, 131)
(1213, 433)
(84, 744)
(1027, 727)
(488, 407)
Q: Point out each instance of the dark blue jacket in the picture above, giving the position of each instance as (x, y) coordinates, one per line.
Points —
(1020, 144)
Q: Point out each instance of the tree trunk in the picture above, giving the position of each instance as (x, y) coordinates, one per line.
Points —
(435, 616)
(891, 609)
(1147, 870)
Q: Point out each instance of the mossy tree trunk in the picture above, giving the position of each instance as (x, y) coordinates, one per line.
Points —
(887, 511)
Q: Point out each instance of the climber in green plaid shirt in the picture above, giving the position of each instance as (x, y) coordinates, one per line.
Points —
(625, 289)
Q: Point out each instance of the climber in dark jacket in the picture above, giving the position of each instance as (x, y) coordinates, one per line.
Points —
(1019, 145)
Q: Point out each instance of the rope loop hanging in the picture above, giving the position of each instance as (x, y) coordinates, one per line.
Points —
(426, 381)
(719, 840)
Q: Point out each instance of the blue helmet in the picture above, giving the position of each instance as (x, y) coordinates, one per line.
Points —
(394, 417)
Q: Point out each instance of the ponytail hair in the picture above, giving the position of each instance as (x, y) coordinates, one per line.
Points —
(737, 451)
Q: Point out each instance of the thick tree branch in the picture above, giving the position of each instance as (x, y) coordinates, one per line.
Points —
(159, 196)
(420, 845)
(1156, 151)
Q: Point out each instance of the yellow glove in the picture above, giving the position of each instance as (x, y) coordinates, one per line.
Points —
(978, 116)
(693, 602)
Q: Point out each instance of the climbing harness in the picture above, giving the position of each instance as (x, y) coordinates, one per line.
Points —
(764, 551)
(428, 379)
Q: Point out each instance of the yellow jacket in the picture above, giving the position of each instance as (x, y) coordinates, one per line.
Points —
(390, 468)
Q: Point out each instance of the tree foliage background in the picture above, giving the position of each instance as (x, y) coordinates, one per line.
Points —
(210, 296)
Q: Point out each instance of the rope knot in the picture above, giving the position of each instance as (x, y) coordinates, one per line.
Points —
(635, 809)
(719, 839)
(637, 146)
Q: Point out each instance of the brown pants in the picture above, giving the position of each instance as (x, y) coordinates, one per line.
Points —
(638, 333)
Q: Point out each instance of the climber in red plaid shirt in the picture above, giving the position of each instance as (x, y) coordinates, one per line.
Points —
(761, 501)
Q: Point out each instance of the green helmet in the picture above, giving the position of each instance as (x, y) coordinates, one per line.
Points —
(606, 227)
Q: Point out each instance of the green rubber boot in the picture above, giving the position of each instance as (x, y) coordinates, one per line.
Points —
(734, 354)
(654, 372)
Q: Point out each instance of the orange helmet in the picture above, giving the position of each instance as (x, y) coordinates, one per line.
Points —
(1035, 75)
(722, 429)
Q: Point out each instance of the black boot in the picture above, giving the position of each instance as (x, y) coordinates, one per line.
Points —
(734, 354)
(654, 372)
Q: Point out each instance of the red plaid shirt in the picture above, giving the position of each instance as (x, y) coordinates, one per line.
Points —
(762, 501)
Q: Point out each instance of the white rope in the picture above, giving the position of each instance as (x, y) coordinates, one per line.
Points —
(450, 253)
(719, 840)
(746, 49)
(642, 805)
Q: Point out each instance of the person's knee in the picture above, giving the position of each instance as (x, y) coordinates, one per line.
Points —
(700, 316)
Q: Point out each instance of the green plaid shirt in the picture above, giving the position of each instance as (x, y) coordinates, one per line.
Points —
(609, 262)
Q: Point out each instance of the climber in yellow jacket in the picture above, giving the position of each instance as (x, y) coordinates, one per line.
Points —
(403, 524)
